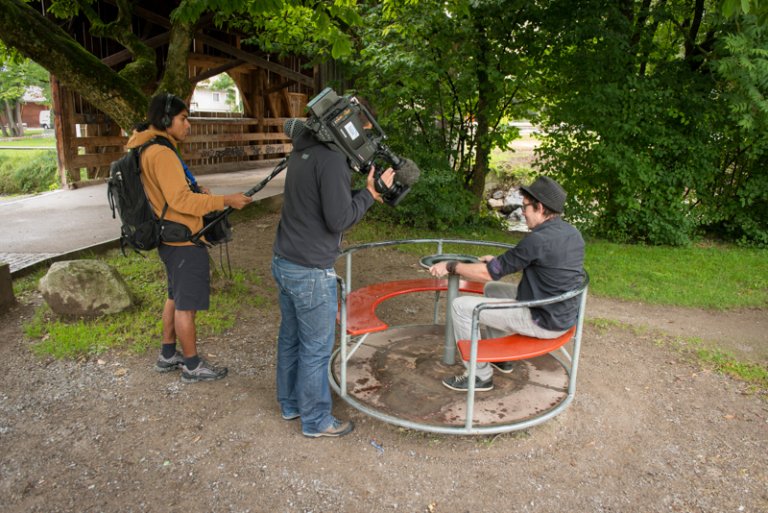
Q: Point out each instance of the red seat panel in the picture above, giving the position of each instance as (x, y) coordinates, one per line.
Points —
(514, 347)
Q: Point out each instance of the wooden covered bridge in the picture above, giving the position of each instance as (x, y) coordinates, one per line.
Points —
(272, 90)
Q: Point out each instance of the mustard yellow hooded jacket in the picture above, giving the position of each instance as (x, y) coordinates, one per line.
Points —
(164, 182)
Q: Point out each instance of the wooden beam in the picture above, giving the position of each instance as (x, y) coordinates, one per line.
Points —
(218, 138)
(58, 108)
(239, 151)
(217, 70)
(100, 140)
(152, 16)
(239, 121)
(280, 86)
(202, 60)
(258, 61)
(95, 159)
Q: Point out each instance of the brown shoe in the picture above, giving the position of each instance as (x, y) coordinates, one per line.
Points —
(338, 428)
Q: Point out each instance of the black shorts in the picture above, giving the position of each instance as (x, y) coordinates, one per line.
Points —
(189, 276)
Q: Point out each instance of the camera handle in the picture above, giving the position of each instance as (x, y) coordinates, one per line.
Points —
(250, 192)
(396, 163)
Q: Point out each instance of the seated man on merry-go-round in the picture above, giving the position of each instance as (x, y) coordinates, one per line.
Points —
(551, 258)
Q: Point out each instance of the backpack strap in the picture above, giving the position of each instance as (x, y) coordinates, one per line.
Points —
(154, 140)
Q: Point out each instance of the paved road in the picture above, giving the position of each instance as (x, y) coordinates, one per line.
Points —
(36, 228)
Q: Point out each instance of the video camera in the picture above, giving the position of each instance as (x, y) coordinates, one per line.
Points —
(345, 124)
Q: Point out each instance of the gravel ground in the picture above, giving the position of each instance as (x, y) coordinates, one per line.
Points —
(649, 430)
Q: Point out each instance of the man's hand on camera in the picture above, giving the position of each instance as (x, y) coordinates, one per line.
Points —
(388, 177)
(238, 200)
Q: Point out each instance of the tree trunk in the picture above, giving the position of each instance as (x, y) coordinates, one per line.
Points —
(3, 126)
(176, 77)
(485, 93)
(11, 121)
(19, 120)
(44, 42)
(483, 152)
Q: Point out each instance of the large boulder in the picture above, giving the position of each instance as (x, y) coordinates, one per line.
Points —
(85, 287)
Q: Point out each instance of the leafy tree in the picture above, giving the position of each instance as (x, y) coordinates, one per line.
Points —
(123, 94)
(447, 75)
(655, 126)
(314, 30)
(16, 75)
(737, 201)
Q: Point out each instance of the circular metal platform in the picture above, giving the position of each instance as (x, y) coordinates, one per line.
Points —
(396, 375)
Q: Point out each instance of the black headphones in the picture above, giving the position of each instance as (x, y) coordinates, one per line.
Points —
(166, 119)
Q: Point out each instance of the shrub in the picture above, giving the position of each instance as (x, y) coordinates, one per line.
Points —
(34, 171)
(436, 202)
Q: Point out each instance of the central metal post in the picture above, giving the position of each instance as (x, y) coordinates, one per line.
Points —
(449, 351)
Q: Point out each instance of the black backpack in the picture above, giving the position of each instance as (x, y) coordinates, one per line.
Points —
(140, 226)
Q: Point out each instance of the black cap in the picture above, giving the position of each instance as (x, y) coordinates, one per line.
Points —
(548, 192)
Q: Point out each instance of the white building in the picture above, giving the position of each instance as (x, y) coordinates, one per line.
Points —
(204, 99)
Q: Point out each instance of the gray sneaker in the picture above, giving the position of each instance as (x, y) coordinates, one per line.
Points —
(461, 383)
(169, 364)
(505, 367)
(205, 371)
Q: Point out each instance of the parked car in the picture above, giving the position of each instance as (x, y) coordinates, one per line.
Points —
(46, 120)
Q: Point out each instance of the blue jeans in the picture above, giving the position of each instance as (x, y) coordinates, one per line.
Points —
(308, 307)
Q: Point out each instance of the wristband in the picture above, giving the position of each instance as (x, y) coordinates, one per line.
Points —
(451, 266)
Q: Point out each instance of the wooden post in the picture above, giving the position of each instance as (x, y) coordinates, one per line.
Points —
(6, 285)
(58, 108)
(65, 122)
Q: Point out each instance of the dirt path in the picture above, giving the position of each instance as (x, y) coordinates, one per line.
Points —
(743, 333)
(649, 430)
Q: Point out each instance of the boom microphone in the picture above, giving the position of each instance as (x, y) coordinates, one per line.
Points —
(294, 127)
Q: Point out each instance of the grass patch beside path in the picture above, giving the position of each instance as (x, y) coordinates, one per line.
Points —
(754, 375)
(718, 277)
(140, 328)
(31, 142)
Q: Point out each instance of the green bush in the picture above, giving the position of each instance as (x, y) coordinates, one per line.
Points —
(32, 171)
(437, 201)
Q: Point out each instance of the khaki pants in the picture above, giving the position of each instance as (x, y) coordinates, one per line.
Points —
(497, 323)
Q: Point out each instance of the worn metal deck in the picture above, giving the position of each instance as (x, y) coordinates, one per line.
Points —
(398, 372)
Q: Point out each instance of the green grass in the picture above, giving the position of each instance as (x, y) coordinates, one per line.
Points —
(371, 231)
(725, 363)
(718, 277)
(28, 171)
(138, 329)
(18, 157)
(35, 142)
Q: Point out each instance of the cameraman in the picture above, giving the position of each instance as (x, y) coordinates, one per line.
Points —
(318, 206)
